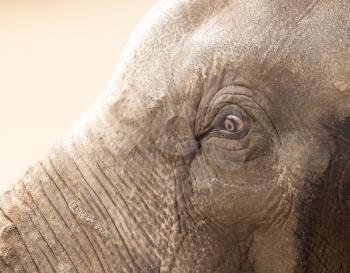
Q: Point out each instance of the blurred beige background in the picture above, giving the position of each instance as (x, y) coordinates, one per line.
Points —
(55, 57)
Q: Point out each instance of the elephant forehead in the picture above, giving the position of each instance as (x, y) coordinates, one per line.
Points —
(300, 41)
(288, 45)
(296, 46)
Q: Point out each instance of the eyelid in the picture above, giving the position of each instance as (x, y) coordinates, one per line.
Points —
(229, 110)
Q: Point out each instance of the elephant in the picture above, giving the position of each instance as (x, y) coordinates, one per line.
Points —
(221, 144)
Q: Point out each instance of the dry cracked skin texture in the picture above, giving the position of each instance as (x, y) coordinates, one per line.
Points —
(221, 145)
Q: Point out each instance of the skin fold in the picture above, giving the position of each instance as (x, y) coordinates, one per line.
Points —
(152, 179)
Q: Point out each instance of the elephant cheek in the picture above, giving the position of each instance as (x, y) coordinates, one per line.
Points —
(234, 196)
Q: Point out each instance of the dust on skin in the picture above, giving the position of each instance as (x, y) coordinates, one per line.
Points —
(342, 86)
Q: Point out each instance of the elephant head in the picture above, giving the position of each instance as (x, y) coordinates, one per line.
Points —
(220, 145)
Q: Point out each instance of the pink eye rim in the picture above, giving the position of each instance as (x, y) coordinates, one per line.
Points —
(240, 128)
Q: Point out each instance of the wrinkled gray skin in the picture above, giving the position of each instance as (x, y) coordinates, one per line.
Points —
(144, 183)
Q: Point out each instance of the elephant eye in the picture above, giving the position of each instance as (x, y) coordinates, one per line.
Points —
(233, 124)
(230, 123)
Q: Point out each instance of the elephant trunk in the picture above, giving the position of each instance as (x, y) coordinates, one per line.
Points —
(95, 203)
(108, 198)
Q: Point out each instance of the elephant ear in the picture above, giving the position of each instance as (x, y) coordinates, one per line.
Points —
(326, 217)
(342, 135)
(345, 127)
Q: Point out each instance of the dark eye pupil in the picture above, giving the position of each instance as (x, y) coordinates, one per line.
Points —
(233, 124)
